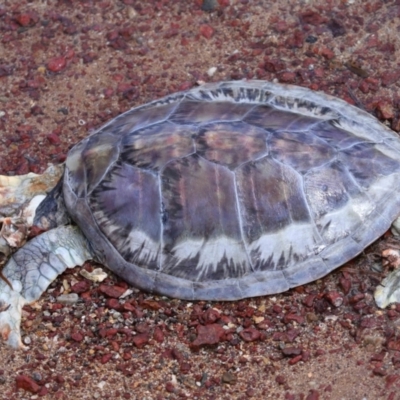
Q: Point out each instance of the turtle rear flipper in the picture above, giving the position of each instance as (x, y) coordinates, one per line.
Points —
(31, 270)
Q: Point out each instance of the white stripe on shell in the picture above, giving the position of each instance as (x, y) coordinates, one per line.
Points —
(211, 254)
(139, 241)
(301, 240)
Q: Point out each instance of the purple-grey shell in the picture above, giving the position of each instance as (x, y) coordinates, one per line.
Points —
(233, 190)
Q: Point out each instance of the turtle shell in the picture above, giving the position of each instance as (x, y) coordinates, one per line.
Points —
(233, 190)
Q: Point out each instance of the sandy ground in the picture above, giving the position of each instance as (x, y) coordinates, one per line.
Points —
(66, 67)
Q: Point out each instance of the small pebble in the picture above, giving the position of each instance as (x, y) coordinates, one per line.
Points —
(27, 340)
(228, 377)
(70, 298)
(211, 71)
(37, 376)
(56, 64)
(209, 5)
(97, 275)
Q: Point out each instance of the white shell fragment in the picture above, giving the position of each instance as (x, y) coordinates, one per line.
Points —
(97, 275)
(388, 291)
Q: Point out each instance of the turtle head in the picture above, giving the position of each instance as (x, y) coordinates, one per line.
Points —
(51, 212)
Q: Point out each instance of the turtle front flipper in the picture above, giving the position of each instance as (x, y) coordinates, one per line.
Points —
(31, 270)
(11, 303)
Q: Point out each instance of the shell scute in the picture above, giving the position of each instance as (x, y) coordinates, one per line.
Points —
(300, 150)
(126, 207)
(367, 163)
(155, 146)
(195, 112)
(143, 116)
(273, 119)
(274, 211)
(100, 153)
(202, 245)
(220, 142)
(331, 133)
(338, 204)
(75, 175)
(232, 93)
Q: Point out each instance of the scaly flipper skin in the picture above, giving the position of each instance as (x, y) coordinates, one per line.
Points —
(31, 270)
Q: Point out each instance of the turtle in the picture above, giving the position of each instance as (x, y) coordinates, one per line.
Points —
(222, 192)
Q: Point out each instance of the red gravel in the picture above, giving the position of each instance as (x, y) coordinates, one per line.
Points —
(67, 67)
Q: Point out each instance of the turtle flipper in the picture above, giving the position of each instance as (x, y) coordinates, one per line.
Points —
(31, 270)
(11, 303)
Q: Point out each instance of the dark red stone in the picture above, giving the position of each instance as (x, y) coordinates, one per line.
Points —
(211, 316)
(141, 339)
(158, 334)
(23, 19)
(112, 291)
(114, 304)
(27, 383)
(379, 371)
(77, 336)
(106, 358)
(208, 335)
(80, 287)
(53, 138)
(250, 334)
(295, 360)
(170, 387)
(313, 395)
(312, 18)
(293, 317)
(207, 31)
(56, 64)
(335, 298)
